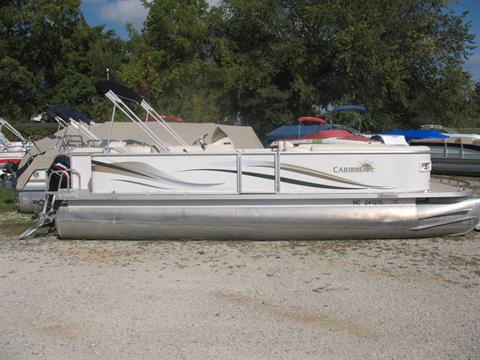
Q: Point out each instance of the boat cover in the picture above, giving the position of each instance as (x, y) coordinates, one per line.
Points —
(294, 131)
(416, 134)
(336, 133)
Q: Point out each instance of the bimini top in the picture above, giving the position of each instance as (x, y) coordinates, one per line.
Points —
(67, 113)
(416, 134)
(126, 94)
(349, 108)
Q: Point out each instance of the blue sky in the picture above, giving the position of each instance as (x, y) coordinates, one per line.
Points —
(116, 13)
(473, 7)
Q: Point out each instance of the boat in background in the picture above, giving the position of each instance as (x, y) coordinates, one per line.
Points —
(11, 152)
(321, 131)
(453, 153)
(451, 133)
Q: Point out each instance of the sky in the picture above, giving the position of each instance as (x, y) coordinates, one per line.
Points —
(114, 14)
(473, 7)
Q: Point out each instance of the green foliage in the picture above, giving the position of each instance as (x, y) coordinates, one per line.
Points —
(267, 61)
(49, 55)
(7, 200)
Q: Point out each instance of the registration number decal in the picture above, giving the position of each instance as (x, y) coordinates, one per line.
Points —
(368, 202)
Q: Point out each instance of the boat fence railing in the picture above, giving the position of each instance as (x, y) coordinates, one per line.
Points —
(69, 174)
(94, 143)
(458, 150)
(71, 141)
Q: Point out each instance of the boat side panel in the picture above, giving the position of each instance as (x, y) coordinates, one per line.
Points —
(295, 173)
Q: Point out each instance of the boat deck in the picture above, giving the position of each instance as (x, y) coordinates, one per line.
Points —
(439, 188)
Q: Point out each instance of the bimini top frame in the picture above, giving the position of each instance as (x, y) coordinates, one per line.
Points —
(72, 121)
(121, 96)
(3, 139)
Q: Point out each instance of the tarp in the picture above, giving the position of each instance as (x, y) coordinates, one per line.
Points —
(336, 133)
(416, 134)
(294, 131)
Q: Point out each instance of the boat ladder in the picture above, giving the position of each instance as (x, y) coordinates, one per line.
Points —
(49, 209)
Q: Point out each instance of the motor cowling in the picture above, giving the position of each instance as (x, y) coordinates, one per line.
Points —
(59, 173)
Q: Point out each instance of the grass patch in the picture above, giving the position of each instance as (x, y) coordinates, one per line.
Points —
(7, 200)
(14, 227)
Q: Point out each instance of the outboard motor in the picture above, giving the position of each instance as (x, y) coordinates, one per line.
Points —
(7, 177)
(58, 173)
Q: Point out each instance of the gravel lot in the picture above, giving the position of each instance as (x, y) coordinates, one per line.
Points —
(409, 299)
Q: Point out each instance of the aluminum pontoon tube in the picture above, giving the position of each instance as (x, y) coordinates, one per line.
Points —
(30, 201)
(265, 217)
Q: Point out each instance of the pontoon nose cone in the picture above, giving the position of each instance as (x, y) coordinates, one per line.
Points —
(477, 227)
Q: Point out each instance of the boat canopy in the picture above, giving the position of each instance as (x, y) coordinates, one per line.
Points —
(348, 108)
(126, 94)
(416, 134)
(67, 113)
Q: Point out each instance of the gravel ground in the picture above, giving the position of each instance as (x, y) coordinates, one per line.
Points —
(409, 299)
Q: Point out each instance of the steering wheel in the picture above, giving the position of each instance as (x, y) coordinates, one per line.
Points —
(201, 141)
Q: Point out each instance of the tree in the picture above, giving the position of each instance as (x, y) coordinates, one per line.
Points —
(387, 55)
(172, 64)
(50, 55)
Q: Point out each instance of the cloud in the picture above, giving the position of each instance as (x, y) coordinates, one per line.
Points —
(122, 11)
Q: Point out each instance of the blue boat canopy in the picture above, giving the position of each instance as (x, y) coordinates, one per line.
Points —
(66, 113)
(294, 131)
(349, 107)
(416, 134)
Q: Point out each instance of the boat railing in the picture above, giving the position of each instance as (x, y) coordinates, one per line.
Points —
(453, 151)
(71, 141)
(94, 143)
(69, 174)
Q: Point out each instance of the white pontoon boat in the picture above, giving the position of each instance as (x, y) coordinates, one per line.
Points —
(217, 191)
(456, 154)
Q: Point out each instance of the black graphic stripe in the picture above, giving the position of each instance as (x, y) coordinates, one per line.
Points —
(282, 179)
(116, 167)
(320, 175)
